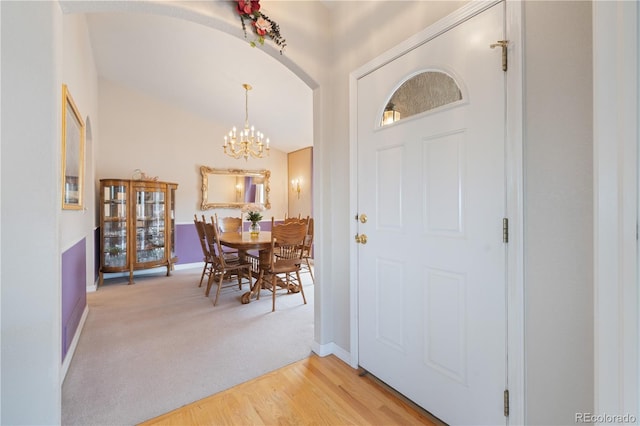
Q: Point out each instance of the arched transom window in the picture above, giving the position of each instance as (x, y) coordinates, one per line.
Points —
(422, 92)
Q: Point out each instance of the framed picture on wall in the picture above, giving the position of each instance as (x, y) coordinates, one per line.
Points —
(72, 153)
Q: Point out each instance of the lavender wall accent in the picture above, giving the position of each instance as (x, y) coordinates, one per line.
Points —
(188, 247)
(265, 225)
(74, 291)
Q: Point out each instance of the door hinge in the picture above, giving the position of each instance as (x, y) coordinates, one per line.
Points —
(506, 403)
(503, 44)
(505, 230)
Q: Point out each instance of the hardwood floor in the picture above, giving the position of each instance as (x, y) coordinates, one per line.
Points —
(318, 391)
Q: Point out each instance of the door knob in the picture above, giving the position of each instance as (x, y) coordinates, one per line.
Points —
(363, 218)
(361, 238)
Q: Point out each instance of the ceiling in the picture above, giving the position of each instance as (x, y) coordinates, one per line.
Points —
(202, 70)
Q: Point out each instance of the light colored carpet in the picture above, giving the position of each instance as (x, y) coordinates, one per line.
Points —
(159, 344)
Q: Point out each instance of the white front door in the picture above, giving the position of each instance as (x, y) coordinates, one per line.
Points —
(431, 276)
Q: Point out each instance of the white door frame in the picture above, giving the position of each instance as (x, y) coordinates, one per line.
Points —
(514, 185)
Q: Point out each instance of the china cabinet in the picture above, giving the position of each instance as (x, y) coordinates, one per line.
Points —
(137, 226)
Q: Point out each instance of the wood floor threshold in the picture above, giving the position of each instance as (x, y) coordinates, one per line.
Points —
(313, 391)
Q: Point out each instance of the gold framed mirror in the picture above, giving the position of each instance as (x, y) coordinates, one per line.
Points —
(72, 153)
(234, 188)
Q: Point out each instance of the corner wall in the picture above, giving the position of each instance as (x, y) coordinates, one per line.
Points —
(77, 226)
(30, 201)
(558, 211)
(616, 132)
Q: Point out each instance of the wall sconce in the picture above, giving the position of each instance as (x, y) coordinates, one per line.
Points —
(390, 114)
(238, 192)
(295, 186)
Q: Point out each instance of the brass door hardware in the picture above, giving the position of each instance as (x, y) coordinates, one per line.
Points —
(361, 238)
(363, 218)
(503, 44)
(505, 230)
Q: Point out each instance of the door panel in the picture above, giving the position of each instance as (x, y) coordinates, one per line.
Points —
(444, 184)
(389, 167)
(431, 277)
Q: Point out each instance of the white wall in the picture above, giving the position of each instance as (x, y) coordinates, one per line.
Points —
(172, 143)
(30, 277)
(80, 75)
(616, 115)
(558, 203)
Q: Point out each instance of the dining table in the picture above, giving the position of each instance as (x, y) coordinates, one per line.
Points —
(243, 242)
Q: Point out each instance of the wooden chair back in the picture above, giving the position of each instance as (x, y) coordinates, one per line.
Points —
(307, 250)
(203, 242)
(308, 241)
(213, 242)
(287, 241)
(229, 224)
(296, 219)
(222, 265)
(207, 269)
(284, 257)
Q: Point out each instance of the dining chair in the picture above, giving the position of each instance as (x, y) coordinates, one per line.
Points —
(284, 259)
(229, 224)
(307, 251)
(306, 265)
(230, 255)
(223, 267)
(296, 219)
(207, 258)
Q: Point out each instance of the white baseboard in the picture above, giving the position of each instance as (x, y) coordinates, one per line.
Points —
(332, 349)
(181, 266)
(74, 343)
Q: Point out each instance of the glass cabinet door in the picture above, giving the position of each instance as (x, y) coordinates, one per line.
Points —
(150, 217)
(115, 226)
(172, 216)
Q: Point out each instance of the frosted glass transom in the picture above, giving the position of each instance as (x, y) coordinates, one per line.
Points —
(423, 92)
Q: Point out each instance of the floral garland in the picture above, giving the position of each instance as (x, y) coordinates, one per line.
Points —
(261, 23)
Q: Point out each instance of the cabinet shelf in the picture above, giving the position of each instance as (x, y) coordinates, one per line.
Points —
(114, 219)
(130, 241)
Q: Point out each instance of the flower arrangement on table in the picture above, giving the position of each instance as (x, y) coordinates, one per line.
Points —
(253, 212)
(254, 216)
(261, 24)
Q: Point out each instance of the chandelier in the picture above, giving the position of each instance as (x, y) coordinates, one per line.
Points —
(248, 142)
